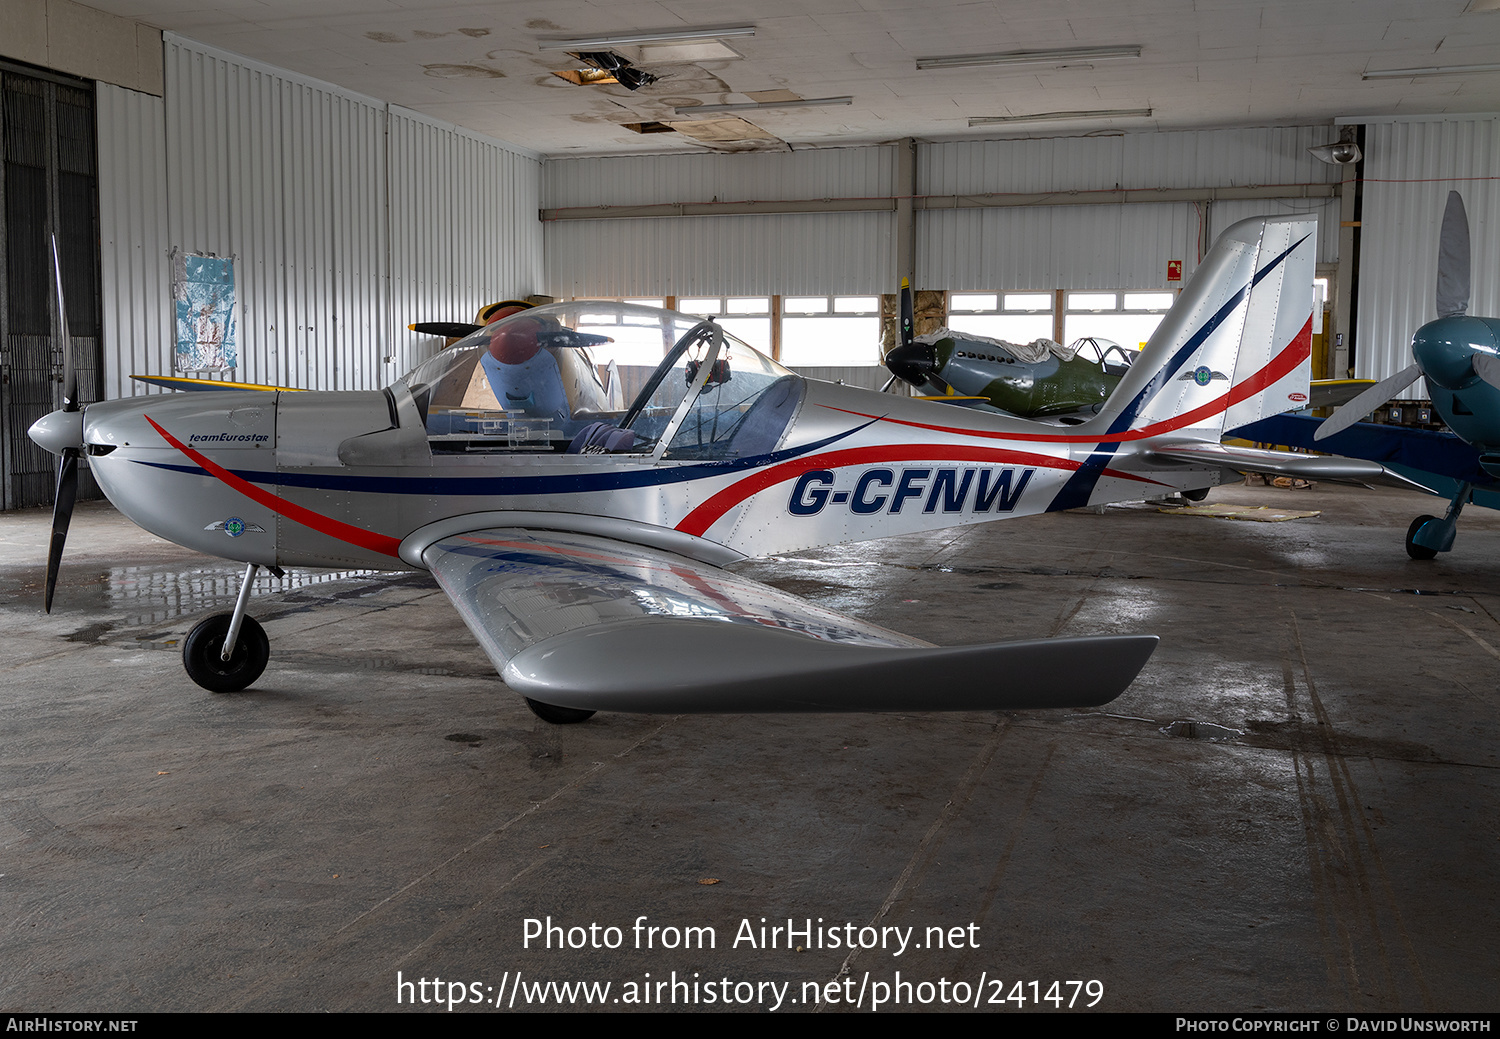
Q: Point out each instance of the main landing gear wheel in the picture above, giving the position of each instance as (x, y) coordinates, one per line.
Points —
(1198, 495)
(557, 715)
(202, 654)
(1413, 549)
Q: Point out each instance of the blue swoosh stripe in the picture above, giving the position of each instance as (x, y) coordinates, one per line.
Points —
(579, 483)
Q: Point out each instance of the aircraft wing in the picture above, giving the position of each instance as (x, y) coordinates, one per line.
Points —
(183, 382)
(588, 622)
(1330, 393)
(1332, 468)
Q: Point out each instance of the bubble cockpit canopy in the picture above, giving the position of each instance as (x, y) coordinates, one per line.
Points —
(599, 376)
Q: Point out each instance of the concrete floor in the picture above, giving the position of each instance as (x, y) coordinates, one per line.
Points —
(380, 803)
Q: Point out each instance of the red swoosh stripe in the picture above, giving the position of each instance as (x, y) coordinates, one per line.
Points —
(711, 511)
(352, 535)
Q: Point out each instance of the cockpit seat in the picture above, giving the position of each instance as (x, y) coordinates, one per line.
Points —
(601, 438)
(767, 419)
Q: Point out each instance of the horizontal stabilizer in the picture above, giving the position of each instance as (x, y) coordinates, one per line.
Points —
(1330, 393)
(1330, 468)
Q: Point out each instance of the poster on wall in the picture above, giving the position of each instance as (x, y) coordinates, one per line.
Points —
(203, 290)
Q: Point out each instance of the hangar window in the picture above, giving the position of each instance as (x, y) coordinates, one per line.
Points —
(1126, 317)
(747, 317)
(1015, 317)
(833, 331)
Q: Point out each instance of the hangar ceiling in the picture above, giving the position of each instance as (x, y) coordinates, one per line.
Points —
(1201, 63)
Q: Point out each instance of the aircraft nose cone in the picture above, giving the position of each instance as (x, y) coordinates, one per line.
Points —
(57, 431)
(912, 362)
(1445, 349)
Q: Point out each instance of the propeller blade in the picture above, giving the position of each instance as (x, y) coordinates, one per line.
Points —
(907, 312)
(70, 377)
(1367, 402)
(1487, 367)
(888, 384)
(62, 515)
(1453, 259)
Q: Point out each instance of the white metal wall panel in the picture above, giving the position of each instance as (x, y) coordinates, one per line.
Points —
(644, 179)
(1048, 247)
(1224, 214)
(133, 237)
(1108, 246)
(464, 227)
(811, 254)
(1176, 159)
(285, 175)
(1410, 166)
(348, 218)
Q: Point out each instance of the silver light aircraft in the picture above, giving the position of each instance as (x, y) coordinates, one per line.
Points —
(585, 544)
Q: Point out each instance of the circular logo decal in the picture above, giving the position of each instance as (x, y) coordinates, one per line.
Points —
(234, 526)
(1203, 375)
(1296, 397)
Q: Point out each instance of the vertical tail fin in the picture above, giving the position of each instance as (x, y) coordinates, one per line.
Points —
(1235, 348)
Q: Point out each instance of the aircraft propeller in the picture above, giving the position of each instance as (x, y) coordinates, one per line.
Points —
(1452, 299)
(71, 446)
(910, 360)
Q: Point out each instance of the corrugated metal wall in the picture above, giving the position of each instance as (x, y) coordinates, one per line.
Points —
(464, 227)
(1048, 247)
(133, 242)
(813, 254)
(1409, 168)
(329, 202)
(639, 179)
(730, 255)
(1044, 246)
(1102, 246)
(1174, 159)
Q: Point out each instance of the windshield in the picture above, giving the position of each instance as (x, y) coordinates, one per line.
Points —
(599, 376)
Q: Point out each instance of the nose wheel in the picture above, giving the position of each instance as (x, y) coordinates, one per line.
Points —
(228, 652)
(203, 654)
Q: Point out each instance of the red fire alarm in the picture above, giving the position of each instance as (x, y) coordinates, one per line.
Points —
(1174, 270)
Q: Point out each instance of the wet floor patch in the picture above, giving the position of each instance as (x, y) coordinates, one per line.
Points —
(155, 594)
(1191, 730)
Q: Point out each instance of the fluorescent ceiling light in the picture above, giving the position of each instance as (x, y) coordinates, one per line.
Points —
(760, 106)
(1437, 70)
(630, 39)
(1045, 57)
(1047, 117)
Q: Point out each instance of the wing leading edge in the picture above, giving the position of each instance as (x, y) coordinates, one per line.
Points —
(590, 623)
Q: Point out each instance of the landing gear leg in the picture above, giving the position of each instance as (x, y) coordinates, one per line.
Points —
(1428, 535)
(228, 651)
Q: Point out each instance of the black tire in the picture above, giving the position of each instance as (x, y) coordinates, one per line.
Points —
(557, 715)
(1413, 549)
(200, 654)
(1198, 495)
